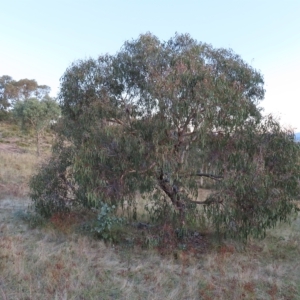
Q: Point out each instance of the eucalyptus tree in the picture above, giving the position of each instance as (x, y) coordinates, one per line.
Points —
(12, 91)
(36, 115)
(156, 118)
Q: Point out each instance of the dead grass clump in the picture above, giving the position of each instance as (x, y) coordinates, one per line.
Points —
(15, 172)
(67, 222)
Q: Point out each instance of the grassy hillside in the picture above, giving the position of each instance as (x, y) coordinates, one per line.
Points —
(59, 259)
(18, 160)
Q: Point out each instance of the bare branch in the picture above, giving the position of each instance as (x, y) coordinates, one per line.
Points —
(189, 133)
(212, 176)
(114, 120)
(207, 201)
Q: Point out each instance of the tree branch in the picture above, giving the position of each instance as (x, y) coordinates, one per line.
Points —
(139, 172)
(206, 202)
(211, 176)
(114, 120)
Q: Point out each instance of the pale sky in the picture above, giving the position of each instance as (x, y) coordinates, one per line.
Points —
(39, 39)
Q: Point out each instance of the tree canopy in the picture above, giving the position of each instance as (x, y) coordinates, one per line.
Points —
(12, 91)
(156, 118)
(36, 114)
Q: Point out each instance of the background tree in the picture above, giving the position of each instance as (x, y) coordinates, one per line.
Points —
(28, 88)
(12, 91)
(152, 118)
(6, 89)
(37, 115)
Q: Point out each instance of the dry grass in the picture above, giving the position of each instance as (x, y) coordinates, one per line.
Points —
(15, 171)
(18, 160)
(63, 264)
(56, 261)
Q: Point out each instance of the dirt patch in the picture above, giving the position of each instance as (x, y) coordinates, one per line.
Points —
(11, 148)
(203, 194)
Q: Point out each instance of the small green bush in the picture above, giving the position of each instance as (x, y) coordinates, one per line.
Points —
(34, 220)
(106, 223)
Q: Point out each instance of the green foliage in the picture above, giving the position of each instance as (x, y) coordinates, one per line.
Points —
(12, 91)
(107, 222)
(50, 188)
(37, 115)
(5, 116)
(159, 209)
(156, 118)
(262, 181)
(32, 219)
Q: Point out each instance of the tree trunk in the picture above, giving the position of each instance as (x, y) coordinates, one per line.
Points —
(174, 196)
(38, 143)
